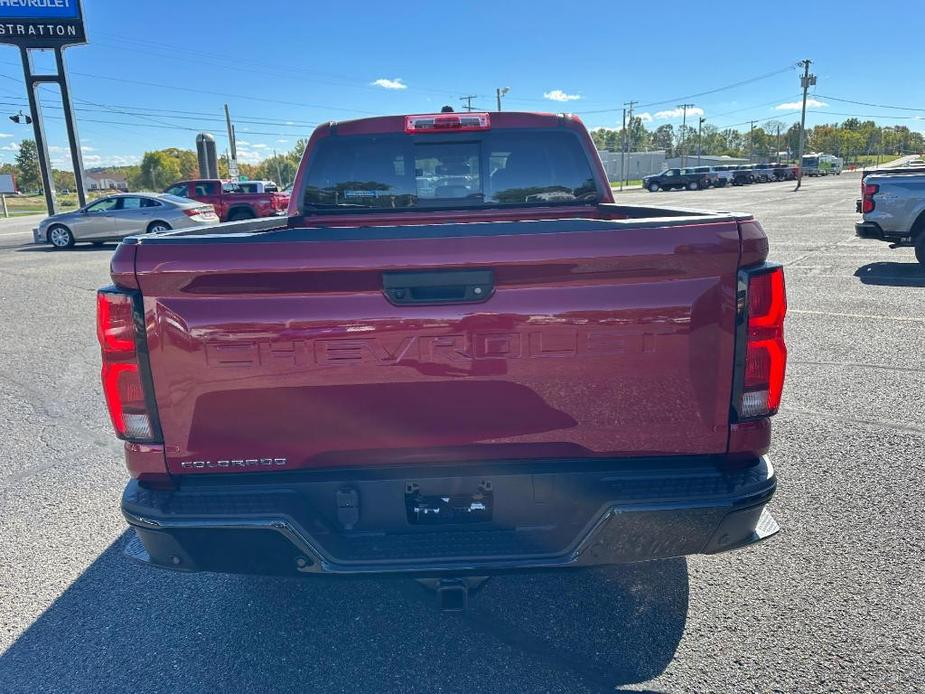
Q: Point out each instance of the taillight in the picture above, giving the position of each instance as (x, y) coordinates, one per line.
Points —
(765, 362)
(197, 211)
(869, 190)
(451, 121)
(123, 380)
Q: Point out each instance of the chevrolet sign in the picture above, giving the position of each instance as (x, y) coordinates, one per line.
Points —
(41, 23)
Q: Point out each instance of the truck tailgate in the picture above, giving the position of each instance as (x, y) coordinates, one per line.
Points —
(598, 339)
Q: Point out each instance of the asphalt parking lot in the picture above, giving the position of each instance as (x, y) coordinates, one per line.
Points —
(833, 603)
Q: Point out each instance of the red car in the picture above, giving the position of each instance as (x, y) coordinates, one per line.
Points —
(457, 356)
(230, 204)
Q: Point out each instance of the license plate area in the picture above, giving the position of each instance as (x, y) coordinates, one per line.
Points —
(448, 509)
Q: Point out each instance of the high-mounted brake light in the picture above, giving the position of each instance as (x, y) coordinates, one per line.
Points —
(765, 350)
(452, 122)
(121, 373)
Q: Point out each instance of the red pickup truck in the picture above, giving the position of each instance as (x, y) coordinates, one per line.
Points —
(456, 356)
(231, 205)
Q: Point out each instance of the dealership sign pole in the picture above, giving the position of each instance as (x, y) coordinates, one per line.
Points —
(47, 24)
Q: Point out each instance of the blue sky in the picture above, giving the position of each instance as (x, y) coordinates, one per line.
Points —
(157, 72)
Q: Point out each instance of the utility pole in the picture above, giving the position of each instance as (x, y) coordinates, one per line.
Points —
(806, 82)
(468, 100)
(751, 141)
(279, 173)
(233, 162)
(623, 150)
(777, 154)
(628, 139)
(700, 139)
(683, 108)
(499, 92)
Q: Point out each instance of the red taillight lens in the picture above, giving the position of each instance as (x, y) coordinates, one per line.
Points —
(115, 328)
(121, 375)
(765, 350)
(450, 121)
(868, 204)
(196, 211)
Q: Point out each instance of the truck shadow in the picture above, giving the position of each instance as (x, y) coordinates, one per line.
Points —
(891, 274)
(124, 627)
(81, 248)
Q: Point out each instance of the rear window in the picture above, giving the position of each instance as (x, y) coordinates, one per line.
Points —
(490, 169)
(176, 199)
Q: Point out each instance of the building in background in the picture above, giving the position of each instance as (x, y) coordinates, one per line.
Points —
(638, 164)
(106, 180)
(706, 160)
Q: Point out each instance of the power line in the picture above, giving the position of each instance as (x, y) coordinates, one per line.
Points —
(132, 112)
(865, 103)
(216, 93)
(865, 115)
(169, 51)
(693, 96)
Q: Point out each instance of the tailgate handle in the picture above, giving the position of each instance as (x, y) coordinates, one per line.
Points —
(432, 287)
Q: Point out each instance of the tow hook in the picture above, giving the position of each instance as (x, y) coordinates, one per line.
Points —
(453, 593)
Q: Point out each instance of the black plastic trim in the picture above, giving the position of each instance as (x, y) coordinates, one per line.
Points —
(287, 234)
(550, 519)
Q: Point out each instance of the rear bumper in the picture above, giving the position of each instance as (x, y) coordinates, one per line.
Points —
(872, 230)
(544, 515)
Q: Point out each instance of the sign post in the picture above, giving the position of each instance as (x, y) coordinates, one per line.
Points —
(47, 24)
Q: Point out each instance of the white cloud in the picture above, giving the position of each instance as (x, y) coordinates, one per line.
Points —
(244, 143)
(260, 146)
(645, 116)
(679, 113)
(282, 141)
(5, 135)
(84, 148)
(54, 149)
(797, 105)
(559, 95)
(93, 161)
(389, 84)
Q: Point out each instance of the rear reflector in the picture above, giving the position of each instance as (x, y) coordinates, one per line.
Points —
(123, 384)
(765, 350)
(455, 122)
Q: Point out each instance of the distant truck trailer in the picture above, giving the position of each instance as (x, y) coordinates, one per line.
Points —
(817, 164)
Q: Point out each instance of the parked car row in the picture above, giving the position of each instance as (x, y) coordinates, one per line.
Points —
(184, 204)
(700, 177)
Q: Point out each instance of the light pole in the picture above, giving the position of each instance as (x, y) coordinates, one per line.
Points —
(806, 81)
(700, 139)
(499, 92)
(683, 108)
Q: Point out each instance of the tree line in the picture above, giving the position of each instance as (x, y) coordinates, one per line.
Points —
(156, 171)
(848, 139)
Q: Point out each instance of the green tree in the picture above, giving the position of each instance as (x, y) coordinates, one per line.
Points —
(29, 176)
(64, 180)
(663, 138)
(158, 170)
